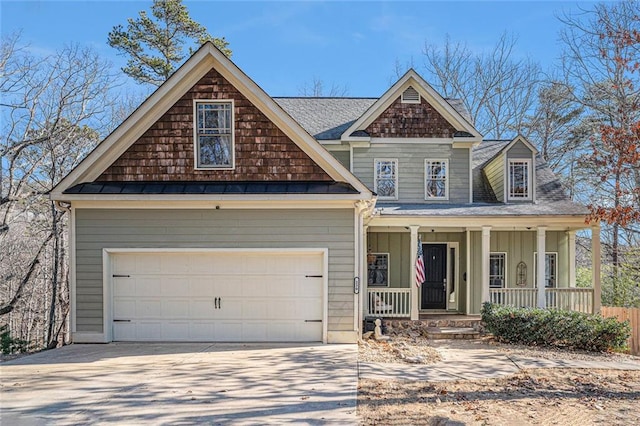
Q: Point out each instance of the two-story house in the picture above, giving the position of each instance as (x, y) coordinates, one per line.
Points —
(218, 213)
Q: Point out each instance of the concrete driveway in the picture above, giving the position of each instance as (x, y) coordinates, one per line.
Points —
(181, 384)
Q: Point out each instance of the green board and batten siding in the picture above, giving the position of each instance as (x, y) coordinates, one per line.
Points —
(411, 166)
(123, 228)
(519, 246)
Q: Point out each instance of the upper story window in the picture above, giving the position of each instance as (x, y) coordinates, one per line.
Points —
(519, 180)
(436, 179)
(214, 134)
(386, 179)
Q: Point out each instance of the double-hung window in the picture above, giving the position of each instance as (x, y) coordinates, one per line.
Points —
(214, 146)
(519, 179)
(497, 270)
(436, 179)
(386, 179)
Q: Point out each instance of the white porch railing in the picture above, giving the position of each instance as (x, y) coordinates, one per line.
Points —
(516, 297)
(570, 299)
(389, 302)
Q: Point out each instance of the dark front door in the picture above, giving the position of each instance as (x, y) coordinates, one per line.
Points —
(434, 288)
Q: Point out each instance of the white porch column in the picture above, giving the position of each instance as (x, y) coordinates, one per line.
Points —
(415, 296)
(486, 248)
(542, 249)
(595, 268)
(571, 239)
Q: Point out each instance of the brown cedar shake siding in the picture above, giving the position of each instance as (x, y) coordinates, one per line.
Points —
(262, 151)
(404, 120)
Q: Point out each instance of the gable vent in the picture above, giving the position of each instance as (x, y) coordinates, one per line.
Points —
(410, 96)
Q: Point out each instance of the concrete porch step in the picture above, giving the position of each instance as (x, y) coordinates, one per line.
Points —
(460, 333)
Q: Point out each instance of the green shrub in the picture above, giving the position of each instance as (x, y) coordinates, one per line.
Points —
(550, 327)
(10, 345)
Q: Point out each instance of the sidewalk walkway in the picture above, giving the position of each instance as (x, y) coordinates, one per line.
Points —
(475, 360)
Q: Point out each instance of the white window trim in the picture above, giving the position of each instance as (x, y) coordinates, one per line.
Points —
(375, 177)
(505, 283)
(535, 267)
(388, 270)
(446, 181)
(196, 151)
(530, 183)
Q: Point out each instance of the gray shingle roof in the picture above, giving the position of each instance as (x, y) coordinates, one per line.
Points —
(328, 118)
(325, 118)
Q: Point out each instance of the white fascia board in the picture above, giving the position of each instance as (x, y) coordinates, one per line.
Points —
(210, 197)
(496, 222)
(411, 78)
(215, 204)
(329, 142)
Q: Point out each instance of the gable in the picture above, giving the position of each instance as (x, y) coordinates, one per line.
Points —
(410, 120)
(165, 152)
(430, 117)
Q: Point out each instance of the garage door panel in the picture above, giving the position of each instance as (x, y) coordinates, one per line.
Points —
(218, 297)
(123, 287)
(123, 308)
(228, 286)
(175, 308)
(202, 309)
(146, 285)
(149, 330)
(254, 310)
(148, 308)
(201, 287)
(147, 264)
(228, 331)
(201, 331)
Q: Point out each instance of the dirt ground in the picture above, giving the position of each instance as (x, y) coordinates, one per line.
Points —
(534, 397)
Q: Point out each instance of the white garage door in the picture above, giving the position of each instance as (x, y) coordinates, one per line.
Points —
(217, 296)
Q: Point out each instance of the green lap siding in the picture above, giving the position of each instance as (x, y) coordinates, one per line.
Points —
(411, 169)
(122, 228)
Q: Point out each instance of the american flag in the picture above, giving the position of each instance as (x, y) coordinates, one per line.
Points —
(419, 265)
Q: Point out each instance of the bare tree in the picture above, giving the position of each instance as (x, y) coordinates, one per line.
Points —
(601, 61)
(497, 89)
(53, 110)
(316, 89)
(556, 127)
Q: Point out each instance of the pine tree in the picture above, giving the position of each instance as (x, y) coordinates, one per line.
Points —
(156, 44)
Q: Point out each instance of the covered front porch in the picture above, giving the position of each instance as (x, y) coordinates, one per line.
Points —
(465, 266)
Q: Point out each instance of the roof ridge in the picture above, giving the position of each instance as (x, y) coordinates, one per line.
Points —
(324, 97)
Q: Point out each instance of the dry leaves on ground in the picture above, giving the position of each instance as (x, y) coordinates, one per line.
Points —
(416, 350)
(534, 397)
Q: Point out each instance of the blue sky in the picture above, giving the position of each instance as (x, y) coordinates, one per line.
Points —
(283, 45)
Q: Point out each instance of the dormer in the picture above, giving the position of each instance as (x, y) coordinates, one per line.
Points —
(512, 172)
(412, 111)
